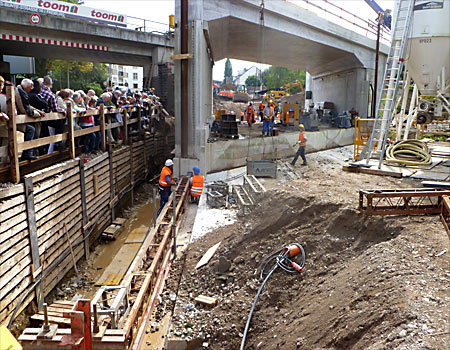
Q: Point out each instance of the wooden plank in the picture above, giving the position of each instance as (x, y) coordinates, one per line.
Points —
(12, 135)
(208, 255)
(83, 208)
(115, 271)
(102, 127)
(53, 170)
(95, 161)
(31, 217)
(204, 300)
(87, 131)
(11, 191)
(24, 119)
(6, 215)
(52, 194)
(6, 312)
(181, 56)
(380, 172)
(125, 118)
(70, 136)
(19, 231)
(41, 142)
(16, 256)
(12, 202)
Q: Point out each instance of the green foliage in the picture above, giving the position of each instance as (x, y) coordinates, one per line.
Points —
(82, 75)
(275, 77)
(252, 80)
(228, 70)
(71, 1)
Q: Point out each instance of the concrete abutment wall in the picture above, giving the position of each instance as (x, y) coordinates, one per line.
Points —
(223, 155)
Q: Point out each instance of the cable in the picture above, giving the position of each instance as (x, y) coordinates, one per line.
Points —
(283, 259)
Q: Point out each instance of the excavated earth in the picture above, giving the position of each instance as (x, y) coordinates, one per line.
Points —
(368, 282)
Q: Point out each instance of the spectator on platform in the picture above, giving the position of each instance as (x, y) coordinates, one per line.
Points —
(116, 98)
(3, 115)
(61, 97)
(39, 103)
(54, 126)
(91, 94)
(89, 140)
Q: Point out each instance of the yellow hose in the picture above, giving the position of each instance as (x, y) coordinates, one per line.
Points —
(409, 152)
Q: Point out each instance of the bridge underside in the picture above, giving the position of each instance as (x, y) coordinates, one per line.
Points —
(19, 48)
(232, 37)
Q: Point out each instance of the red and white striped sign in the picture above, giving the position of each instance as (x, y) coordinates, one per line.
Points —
(30, 39)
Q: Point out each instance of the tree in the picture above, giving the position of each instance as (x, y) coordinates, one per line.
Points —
(252, 80)
(83, 75)
(275, 77)
(228, 70)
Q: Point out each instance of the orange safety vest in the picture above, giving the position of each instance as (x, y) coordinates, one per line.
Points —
(270, 115)
(302, 139)
(197, 186)
(250, 110)
(162, 179)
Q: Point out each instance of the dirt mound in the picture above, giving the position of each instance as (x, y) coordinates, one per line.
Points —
(368, 283)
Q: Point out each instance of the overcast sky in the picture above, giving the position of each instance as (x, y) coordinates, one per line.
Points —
(159, 11)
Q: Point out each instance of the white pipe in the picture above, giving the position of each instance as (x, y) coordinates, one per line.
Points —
(401, 117)
(412, 112)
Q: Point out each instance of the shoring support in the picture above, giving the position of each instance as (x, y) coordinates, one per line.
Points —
(111, 181)
(445, 214)
(32, 230)
(83, 208)
(415, 201)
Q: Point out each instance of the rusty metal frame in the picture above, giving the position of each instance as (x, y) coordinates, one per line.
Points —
(415, 201)
(149, 269)
(445, 214)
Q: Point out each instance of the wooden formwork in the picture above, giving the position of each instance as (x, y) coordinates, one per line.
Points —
(76, 196)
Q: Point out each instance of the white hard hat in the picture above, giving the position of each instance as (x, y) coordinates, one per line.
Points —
(169, 162)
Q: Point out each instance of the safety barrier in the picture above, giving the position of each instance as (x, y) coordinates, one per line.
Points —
(105, 125)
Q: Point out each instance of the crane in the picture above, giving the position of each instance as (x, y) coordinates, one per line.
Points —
(384, 16)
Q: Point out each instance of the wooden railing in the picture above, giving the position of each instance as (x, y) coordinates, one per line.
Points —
(104, 116)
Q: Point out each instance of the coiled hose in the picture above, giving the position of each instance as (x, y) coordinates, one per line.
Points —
(409, 152)
(284, 259)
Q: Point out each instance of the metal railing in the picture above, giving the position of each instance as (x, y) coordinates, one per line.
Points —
(327, 9)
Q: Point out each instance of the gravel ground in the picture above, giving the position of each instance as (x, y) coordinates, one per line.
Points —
(368, 282)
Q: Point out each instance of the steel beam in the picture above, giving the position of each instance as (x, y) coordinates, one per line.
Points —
(416, 201)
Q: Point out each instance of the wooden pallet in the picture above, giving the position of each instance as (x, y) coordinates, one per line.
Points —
(55, 314)
(113, 230)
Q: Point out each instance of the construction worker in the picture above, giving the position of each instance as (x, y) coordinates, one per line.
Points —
(268, 116)
(197, 182)
(250, 115)
(261, 112)
(302, 139)
(165, 181)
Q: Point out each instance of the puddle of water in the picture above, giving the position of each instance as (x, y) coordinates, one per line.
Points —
(136, 227)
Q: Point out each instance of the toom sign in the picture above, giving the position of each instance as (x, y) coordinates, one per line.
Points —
(67, 9)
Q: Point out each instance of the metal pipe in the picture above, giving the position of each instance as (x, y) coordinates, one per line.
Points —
(377, 55)
(184, 80)
(174, 223)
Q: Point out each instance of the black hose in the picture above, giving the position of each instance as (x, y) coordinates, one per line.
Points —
(66, 253)
(283, 260)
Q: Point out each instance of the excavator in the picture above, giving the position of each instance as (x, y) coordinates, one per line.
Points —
(276, 95)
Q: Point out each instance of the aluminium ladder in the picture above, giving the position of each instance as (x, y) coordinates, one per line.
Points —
(392, 73)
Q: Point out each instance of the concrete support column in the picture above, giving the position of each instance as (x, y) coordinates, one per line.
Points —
(199, 102)
(308, 87)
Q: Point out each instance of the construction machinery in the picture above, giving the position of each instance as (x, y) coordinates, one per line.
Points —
(276, 95)
(241, 94)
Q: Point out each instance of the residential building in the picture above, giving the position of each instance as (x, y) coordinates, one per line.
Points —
(129, 76)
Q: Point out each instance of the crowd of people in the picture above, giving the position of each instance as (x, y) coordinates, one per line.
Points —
(35, 98)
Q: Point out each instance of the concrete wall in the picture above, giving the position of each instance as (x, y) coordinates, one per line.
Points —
(223, 155)
(347, 89)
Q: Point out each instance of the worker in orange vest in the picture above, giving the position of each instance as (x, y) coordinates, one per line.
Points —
(250, 115)
(165, 181)
(268, 118)
(197, 182)
(302, 139)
